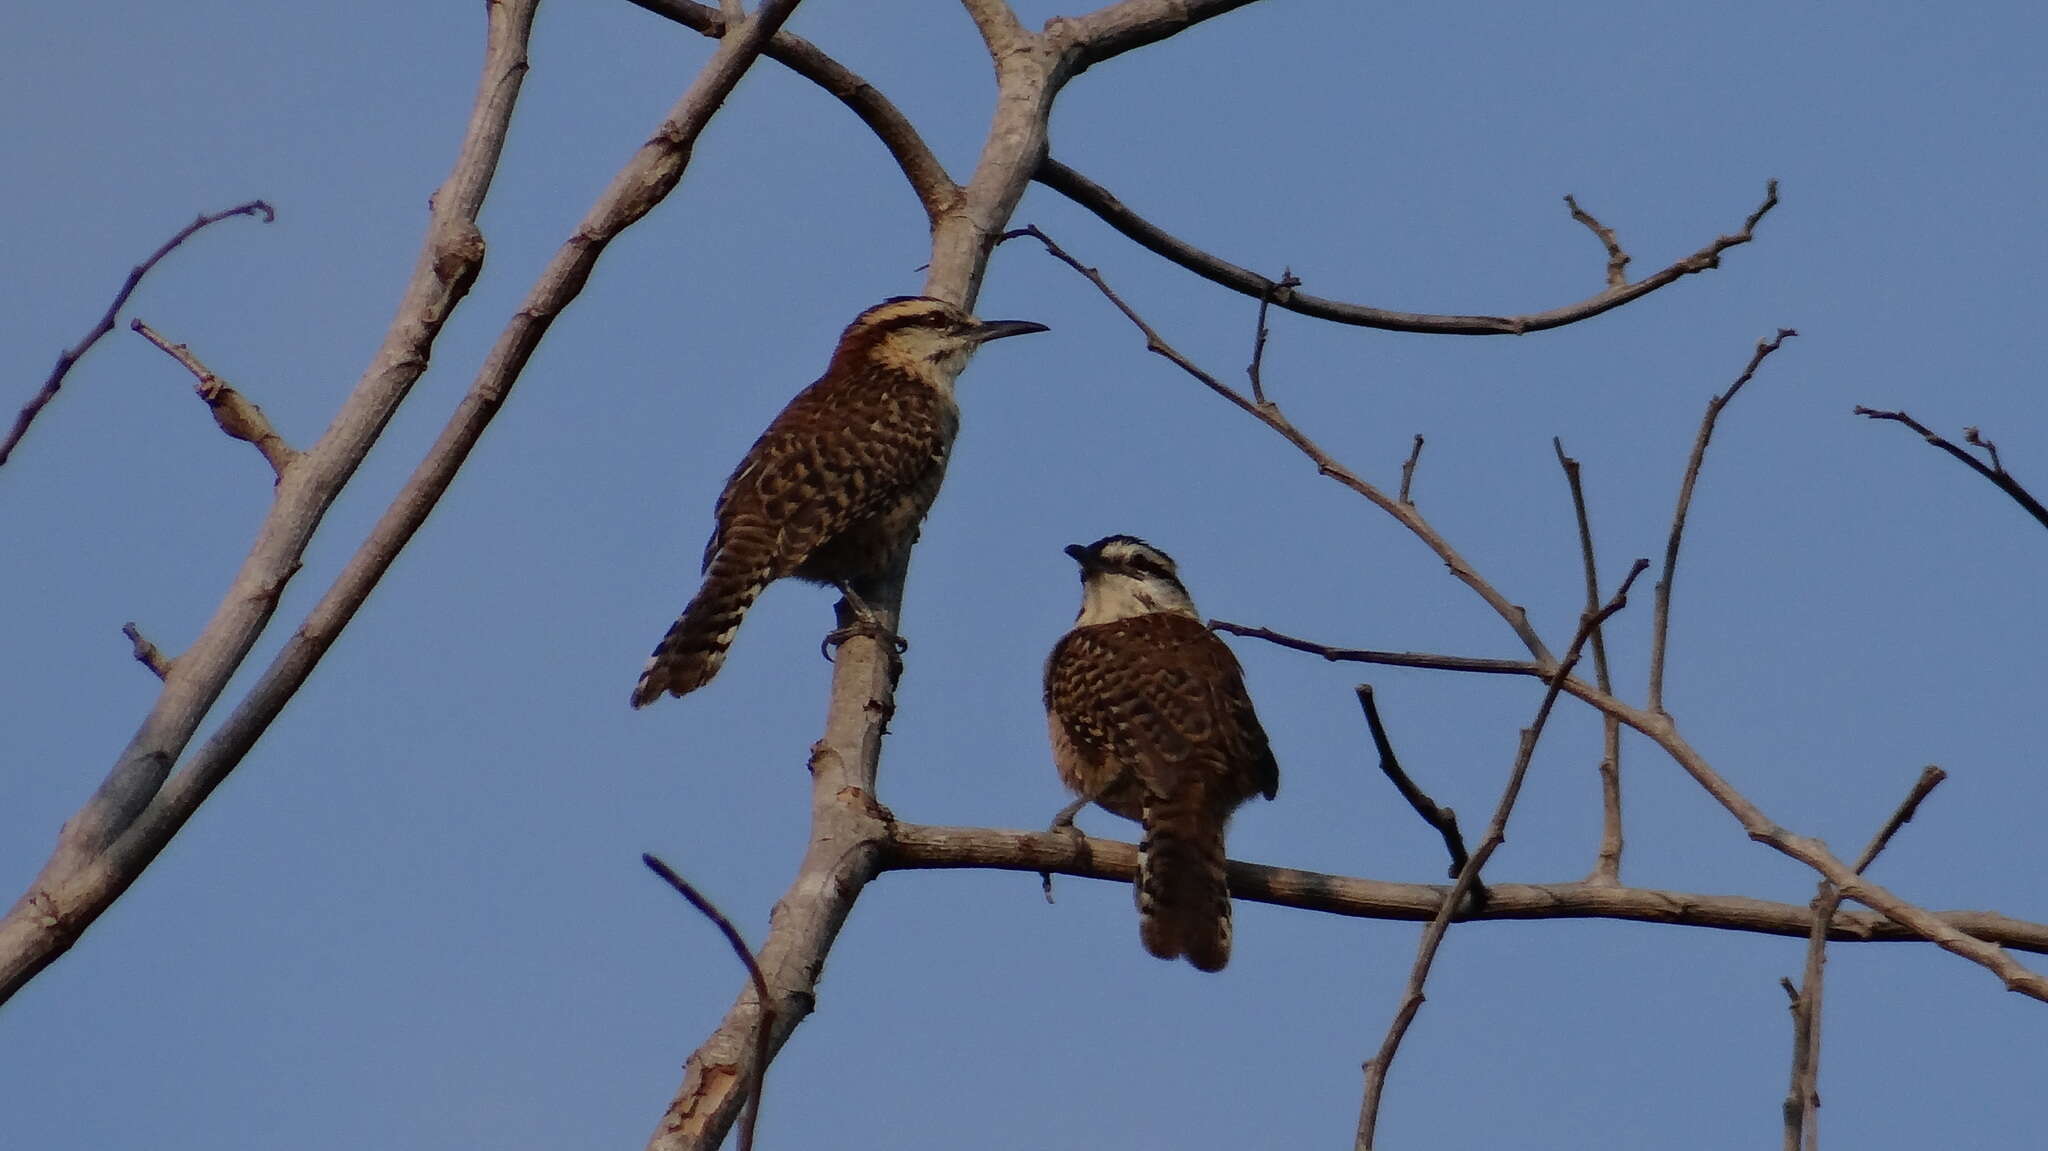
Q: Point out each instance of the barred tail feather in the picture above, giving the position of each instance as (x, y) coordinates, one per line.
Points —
(1183, 900)
(694, 648)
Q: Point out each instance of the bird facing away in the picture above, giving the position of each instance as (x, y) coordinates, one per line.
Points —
(834, 490)
(1150, 719)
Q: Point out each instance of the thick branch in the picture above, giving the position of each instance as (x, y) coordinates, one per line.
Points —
(71, 355)
(935, 189)
(133, 815)
(1660, 624)
(915, 847)
(236, 415)
(1995, 471)
(1097, 199)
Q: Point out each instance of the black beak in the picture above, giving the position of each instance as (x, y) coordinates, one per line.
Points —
(988, 330)
(1081, 555)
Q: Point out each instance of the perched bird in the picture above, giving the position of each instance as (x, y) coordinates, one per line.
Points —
(1150, 719)
(834, 490)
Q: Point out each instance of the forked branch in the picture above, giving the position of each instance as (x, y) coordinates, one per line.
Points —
(1993, 471)
(71, 355)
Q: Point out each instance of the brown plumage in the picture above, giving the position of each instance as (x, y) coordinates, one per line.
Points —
(834, 490)
(1150, 719)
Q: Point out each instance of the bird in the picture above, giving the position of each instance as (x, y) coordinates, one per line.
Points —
(1150, 719)
(835, 488)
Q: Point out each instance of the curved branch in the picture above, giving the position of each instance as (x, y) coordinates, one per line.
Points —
(935, 189)
(917, 847)
(70, 356)
(1994, 471)
(1132, 24)
(1114, 212)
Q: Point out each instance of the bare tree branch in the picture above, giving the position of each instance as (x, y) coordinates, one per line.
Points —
(1607, 862)
(1269, 414)
(146, 653)
(233, 412)
(928, 179)
(71, 355)
(919, 847)
(758, 1071)
(1443, 819)
(1995, 471)
(1660, 624)
(140, 806)
(1663, 731)
(1132, 24)
(1408, 472)
(1097, 199)
(1260, 332)
(1617, 260)
(1802, 1098)
(1467, 883)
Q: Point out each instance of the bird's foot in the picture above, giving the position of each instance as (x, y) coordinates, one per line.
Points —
(870, 628)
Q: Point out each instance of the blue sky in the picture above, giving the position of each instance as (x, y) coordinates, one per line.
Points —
(415, 917)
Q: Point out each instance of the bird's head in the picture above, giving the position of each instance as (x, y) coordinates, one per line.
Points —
(920, 335)
(1123, 576)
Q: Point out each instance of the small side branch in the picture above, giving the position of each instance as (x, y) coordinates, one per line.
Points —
(758, 1073)
(1617, 260)
(1114, 212)
(1468, 877)
(1408, 472)
(72, 354)
(240, 418)
(1661, 622)
(1287, 283)
(1442, 818)
(1607, 863)
(146, 653)
(1994, 471)
(1802, 1098)
(1269, 414)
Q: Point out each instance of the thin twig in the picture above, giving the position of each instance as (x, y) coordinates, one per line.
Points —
(1617, 260)
(1660, 623)
(1468, 877)
(1995, 471)
(1286, 284)
(757, 1074)
(1442, 818)
(146, 653)
(1270, 415)
(71, 355)
(236, 415)
(1607, 862)
(1802, 1099)
(1114, 212)
(1408, 471)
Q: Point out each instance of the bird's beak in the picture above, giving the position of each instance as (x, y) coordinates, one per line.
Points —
(988, 330)
(1081, 555)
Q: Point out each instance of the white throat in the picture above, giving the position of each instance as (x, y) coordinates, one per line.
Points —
(1112, 596)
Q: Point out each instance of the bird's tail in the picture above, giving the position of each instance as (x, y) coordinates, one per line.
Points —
(694, 648)
(1183, 901)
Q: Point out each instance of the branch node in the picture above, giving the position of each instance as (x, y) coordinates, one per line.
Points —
(146, 653)
(235, 414)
